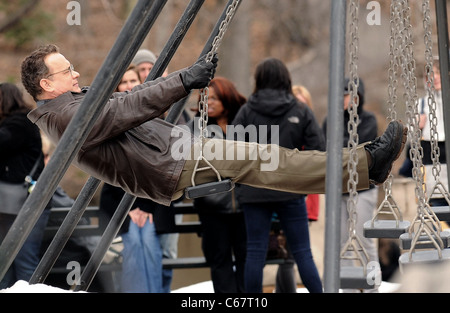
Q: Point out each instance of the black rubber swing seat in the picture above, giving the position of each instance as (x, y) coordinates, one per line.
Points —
(385, 228)
(208, 189)
(423, 257)
(442, 212)
(424, 242)
(354, 277)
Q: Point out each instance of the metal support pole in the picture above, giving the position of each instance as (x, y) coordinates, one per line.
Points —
(125, 47)
(110, 232)
(443, 45)
(65, 231)
(335, 142)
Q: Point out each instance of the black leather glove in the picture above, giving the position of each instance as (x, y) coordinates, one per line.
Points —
(200, 74)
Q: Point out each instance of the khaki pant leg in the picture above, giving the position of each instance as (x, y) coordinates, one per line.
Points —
(268, 166)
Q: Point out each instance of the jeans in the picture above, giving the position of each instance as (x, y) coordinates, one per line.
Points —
(28, 257)
(169, 246)
(294, 222)
(142, 260)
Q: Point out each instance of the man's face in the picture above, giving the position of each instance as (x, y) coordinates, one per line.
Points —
(61, 77)
(437, 78)
(346, 101)
(144, 69)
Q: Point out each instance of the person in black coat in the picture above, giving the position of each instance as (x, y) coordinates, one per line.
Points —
(20, 149)
(278, 117)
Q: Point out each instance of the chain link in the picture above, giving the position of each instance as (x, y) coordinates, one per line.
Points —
(438, 187)
(389, 205)
(431, 91)
(203, 103)
(352, 126)
(353, 248)
(425, 223)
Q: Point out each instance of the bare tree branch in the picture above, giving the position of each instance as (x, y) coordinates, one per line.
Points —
(15, 18)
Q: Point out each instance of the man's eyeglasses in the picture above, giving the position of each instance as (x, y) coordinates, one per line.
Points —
(69, 69)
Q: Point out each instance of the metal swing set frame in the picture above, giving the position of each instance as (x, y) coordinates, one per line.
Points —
(353, 279)
(127, 44)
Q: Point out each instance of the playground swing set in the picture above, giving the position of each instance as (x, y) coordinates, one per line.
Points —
(423, 236)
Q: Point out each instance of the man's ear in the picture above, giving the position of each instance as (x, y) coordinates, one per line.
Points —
(46, 84)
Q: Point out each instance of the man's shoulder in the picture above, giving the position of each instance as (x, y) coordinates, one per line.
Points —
(55, 104)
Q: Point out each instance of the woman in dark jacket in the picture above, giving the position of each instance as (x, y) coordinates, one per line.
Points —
(278, 116)
(20, 149)
(223, 233)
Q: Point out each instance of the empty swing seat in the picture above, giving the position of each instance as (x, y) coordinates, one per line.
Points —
(423, 257)
(442, 212)
(208, 189)
(355, 278)
(406, 240)
(385, 228)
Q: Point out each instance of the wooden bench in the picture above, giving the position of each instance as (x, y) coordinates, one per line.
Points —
(93, 223)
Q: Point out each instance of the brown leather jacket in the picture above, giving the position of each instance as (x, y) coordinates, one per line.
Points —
(129, 146)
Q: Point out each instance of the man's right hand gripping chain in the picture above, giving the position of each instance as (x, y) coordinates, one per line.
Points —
(200, 74)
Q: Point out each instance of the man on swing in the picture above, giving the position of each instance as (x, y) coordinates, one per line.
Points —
(130, 147)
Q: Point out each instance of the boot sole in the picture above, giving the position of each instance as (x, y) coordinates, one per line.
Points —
(404, 139)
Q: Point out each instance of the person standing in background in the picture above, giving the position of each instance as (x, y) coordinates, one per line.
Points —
(20, 149)
(285, 280)
(144, 61)
(367, 200)
(273, 104)
(223, 223)
(312, 200)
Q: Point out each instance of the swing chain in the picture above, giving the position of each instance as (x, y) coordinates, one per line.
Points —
(431, 91)
(353, 249)
(203, 103)
(394, 56)
(425, 221)
(353, 122)
(394, 62)
(408, 66)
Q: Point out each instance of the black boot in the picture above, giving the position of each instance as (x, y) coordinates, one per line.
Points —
(384, 150)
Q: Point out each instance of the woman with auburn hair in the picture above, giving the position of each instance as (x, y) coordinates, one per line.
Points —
(224, 234)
